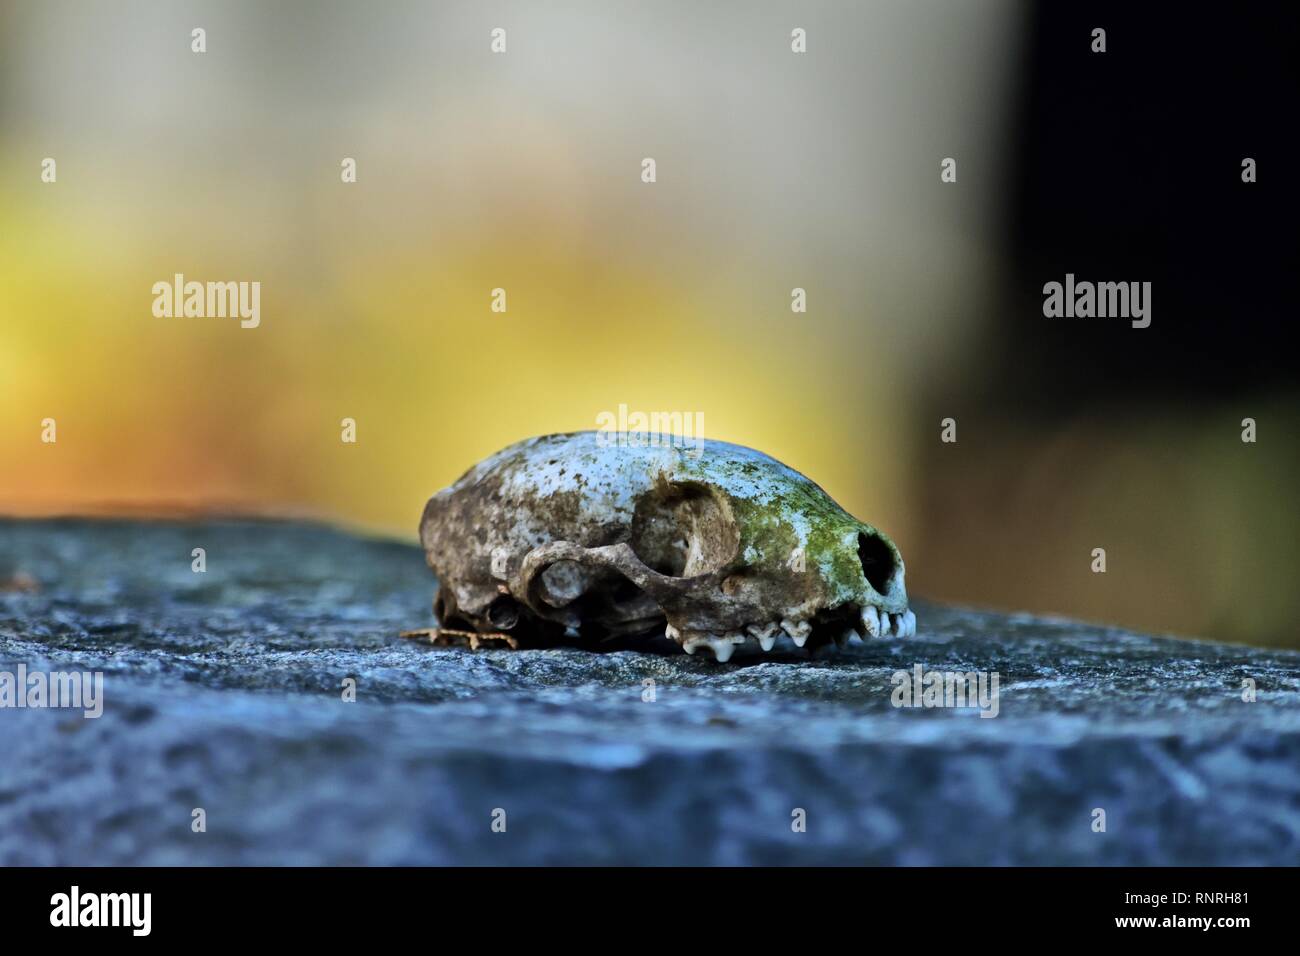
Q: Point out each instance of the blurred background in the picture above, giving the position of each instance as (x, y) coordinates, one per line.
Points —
(775, 170)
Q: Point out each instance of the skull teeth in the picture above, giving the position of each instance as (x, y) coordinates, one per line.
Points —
(876, 623)
(870, 621)
(765, 634)
(797, 630)
(723, 645)
(909, 623)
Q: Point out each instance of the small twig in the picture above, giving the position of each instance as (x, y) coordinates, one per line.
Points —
(450, 637)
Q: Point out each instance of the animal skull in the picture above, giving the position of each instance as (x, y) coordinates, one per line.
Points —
(592, 538)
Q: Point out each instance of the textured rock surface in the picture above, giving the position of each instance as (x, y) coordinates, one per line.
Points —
(222, 691)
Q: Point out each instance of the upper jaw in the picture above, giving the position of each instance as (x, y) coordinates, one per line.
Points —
(867, 621)
(877, 623)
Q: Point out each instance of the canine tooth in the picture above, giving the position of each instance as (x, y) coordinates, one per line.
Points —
(909, 621)
(871, 621)
(798, 631)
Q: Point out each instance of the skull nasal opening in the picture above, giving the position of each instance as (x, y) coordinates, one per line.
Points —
(877, 561)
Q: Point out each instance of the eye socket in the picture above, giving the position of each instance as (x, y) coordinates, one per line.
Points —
(683, 529)
(877, 561)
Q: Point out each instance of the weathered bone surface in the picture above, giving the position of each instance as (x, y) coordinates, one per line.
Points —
(578, 539)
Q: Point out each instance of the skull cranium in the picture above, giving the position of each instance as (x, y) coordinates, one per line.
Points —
(579, 537)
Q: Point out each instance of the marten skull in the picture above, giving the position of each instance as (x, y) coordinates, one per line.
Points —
(597, 537)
